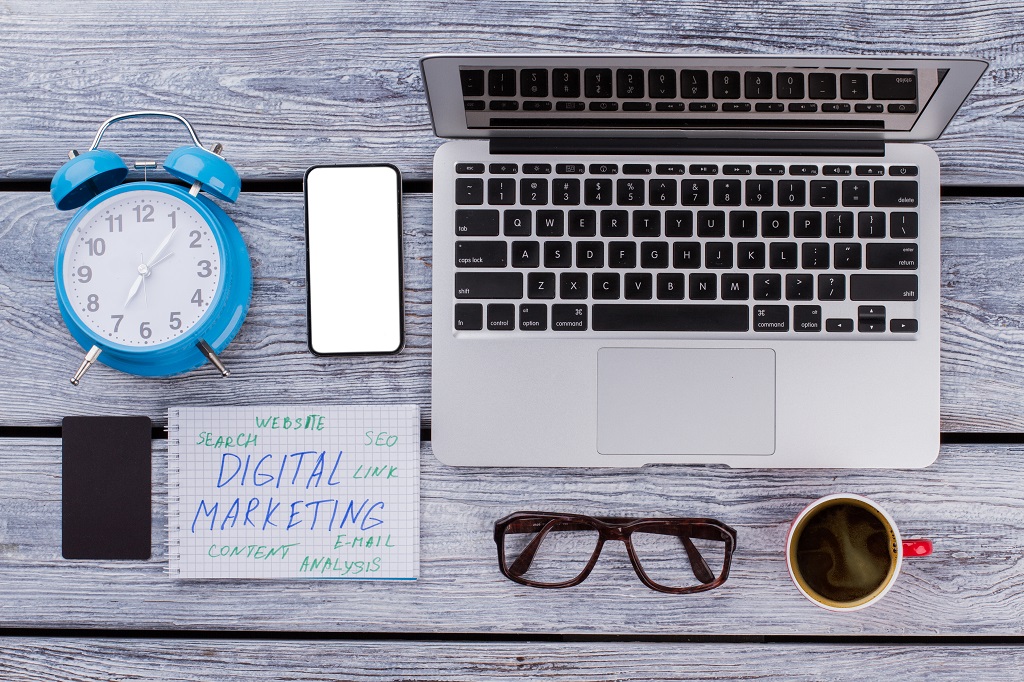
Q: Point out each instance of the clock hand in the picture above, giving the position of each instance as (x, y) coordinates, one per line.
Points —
(160, 249)
(137, 283)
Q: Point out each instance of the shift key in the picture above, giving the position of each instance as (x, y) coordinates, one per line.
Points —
(488, 285)
(883, 287)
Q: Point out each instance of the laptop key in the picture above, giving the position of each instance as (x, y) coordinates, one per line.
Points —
(533, 316)
(839, 224)
(693, 84)
(663, 192)
(695, 192)
(565, 83)
(822, 85)
(565, 192)
(501, 191)
(501, 316)
(903, 225)
(570, 169)
(569, 317)
(597, 192)
(557, 254)
(856, 192)
(606, 285)
(481, 254)
(871, 225)
(742, 224)
(526, 254)
(533, 191)
(671, 286)
(726, 84)
(703, 286)
(678, 223)
(782, 256)
(654, 254)
(847, 256)
(582, 223)
(903, 326)
(647, 224)
(799, 287)
(758, 84)
(853, 86)
(807, 318)
(775, 224)
(790, 85)
(597, 82)
(736, 170)
(501, 83)
(518, 223)
(771, 318)
(639, 286)
(662, 83)
(472, 168)
(894, 86)
(614, 223)
(792, 192)
(590, 254)
(871, 318)
(630, 192)
(469, 191)
(472, 82)
(630, 83)
(534, 82)
(550, 223)
(883, 287)
(727, 192)
(540, 285)
(824, 193)
(671, 317)
(750, 255)
(760, 192)
(767, 287)
(891, 256)
(622, 254)
(469, 316)
(710, 223)
(831, 287)
(839, 324)
(896, 193)
(735, 286)
(476, 223)
(572, 285)
(489, 285)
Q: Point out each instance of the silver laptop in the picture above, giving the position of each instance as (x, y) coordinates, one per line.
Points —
(644, 259)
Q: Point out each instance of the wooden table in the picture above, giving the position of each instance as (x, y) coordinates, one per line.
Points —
(285, 85)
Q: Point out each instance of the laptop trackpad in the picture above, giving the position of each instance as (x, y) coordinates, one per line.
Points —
(674, 401)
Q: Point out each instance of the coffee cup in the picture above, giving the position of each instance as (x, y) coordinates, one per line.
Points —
(844, 552)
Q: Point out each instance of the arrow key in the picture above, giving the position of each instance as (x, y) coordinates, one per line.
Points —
(903, 326)
(871, 318)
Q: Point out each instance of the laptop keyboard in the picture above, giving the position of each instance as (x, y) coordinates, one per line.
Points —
(796, 248)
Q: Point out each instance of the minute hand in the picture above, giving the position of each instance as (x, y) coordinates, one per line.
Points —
(160, 249)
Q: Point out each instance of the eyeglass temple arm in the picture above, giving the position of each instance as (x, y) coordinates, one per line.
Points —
(521, 565)
(700, 567)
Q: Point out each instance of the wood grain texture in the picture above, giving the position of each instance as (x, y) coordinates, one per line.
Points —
(983, 323)
(285, 85)
(970, 503)
(196, 660)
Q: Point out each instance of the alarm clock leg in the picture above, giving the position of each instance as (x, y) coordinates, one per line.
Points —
(205, 349)
(90, 358)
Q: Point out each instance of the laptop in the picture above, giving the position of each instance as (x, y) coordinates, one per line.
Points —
(664, 259)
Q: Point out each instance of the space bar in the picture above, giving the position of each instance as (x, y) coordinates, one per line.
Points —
(642, 317)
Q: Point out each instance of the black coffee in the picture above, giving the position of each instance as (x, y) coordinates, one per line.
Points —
(842, 553)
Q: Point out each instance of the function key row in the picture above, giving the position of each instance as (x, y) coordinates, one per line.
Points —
(604, 83)
(678, 169)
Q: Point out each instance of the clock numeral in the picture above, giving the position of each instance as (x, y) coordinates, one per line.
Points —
(144, 330)
(173, 215)
(115, 219)
(120, 319)
(144, 213)
(197, 298)
(84, 274)
(206, 268)
(196, 236)
(97, 247)
(175, 320)
(92, 303)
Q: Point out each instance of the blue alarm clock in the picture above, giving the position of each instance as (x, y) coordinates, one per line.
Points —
(152, 278)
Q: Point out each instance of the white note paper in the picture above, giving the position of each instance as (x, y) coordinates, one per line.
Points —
(294, 492)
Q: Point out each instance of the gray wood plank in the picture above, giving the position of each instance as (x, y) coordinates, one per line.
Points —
(196, 660)
(286, 85)
(970, 503)
(983, 328)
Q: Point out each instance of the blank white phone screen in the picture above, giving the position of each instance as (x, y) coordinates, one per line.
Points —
(354, 251)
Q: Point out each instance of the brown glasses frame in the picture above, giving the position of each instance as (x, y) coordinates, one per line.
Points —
(618, 528)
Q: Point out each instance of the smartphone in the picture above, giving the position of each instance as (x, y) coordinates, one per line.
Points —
(354, 259)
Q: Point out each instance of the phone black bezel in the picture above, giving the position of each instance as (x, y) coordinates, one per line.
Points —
(401, 259)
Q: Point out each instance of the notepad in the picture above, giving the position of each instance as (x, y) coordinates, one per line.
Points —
(294, 492)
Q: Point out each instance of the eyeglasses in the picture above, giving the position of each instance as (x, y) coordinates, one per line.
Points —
(678, 556)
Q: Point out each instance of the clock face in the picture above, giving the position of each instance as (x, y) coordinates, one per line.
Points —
(141, 268)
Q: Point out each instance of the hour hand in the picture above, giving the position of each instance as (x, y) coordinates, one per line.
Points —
(136, 285)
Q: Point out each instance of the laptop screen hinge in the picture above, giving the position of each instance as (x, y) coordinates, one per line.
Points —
(686, 146)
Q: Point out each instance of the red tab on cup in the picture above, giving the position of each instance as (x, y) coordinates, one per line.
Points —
(917, 547)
